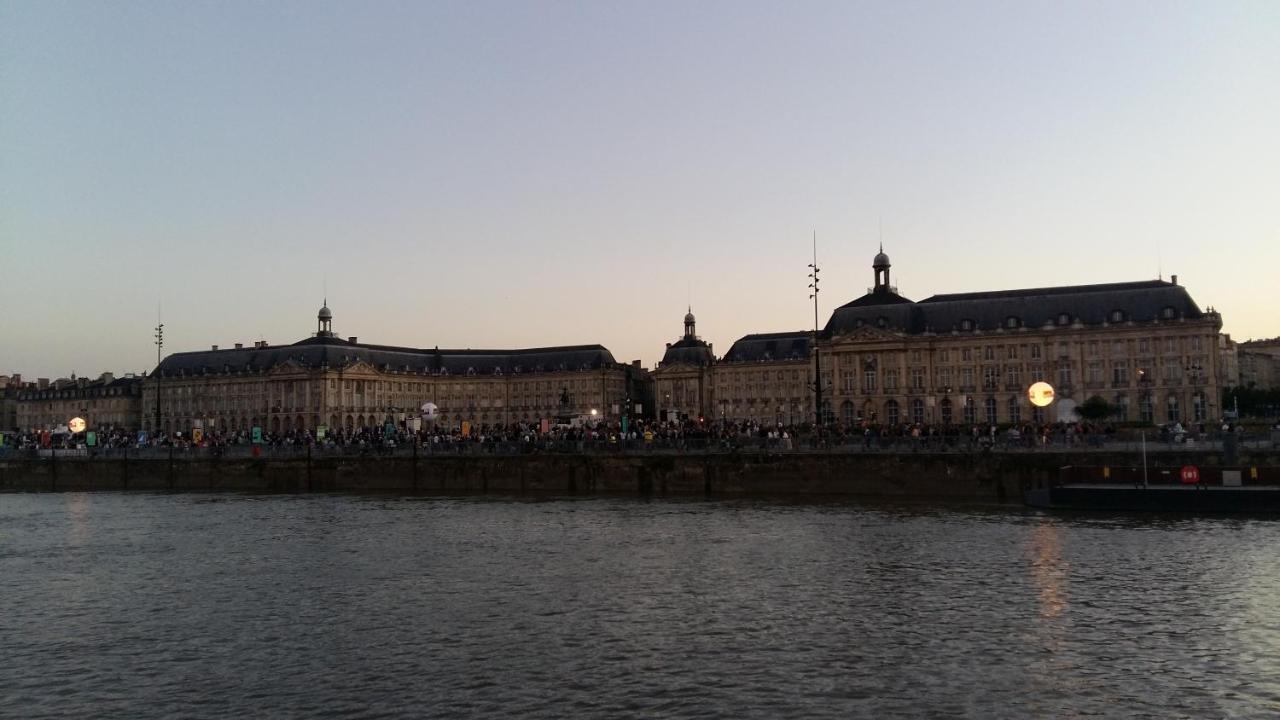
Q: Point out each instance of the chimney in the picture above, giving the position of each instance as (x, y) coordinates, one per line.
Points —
(215, 348)
(42, 383)
(353, 339)
(107, 377)
(1173, 279)
(239, 346)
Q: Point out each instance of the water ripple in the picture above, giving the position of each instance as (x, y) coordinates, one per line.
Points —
(212, 606)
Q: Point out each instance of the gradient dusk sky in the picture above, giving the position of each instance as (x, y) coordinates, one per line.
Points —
(516, 174)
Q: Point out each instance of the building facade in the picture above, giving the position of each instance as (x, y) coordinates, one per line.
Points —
(1259, 363)
(107, 403)
(342, 383)
(1145, 347)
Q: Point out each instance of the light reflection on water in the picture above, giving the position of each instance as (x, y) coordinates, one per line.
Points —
(149, 605)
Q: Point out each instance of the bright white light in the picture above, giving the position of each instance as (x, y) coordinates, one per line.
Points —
(1040, 394)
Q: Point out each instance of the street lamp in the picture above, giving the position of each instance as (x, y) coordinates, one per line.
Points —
(159, 347)
(817, 363)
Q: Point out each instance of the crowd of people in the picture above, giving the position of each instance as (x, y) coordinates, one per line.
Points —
(638, 435)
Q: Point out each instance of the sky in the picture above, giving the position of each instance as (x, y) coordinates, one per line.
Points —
(524, 174)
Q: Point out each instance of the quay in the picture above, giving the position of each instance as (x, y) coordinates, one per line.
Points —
(959, 476)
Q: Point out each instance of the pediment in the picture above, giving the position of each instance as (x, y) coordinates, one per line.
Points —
(867, 333)
(360, 367)
(287, 367)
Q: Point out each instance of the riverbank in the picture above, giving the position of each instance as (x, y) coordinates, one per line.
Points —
(974, 476)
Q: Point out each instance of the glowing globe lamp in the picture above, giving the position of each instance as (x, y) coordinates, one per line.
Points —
(76, 425)
(1040, 394)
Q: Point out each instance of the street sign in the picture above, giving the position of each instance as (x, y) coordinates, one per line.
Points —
(1190, 475)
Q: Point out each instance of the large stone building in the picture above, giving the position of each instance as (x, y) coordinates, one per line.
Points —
(1145, 347)
(107, 403)
(342, 383)
(1259, 363)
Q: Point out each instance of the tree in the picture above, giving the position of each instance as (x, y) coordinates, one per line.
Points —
(1096, 409)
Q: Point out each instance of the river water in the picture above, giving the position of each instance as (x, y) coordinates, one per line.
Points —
(137, 605)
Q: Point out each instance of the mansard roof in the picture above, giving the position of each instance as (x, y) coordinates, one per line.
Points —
(335, 352)
(1142, 301)
(690, 351)
(771, 346)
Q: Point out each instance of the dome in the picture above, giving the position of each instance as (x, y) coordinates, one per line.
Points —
(881, 260)
(325, 313)
(688, 318)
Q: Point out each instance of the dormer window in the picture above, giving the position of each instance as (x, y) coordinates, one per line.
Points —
(1168, 313)
(1064, 319)
(1012, 322)
(882, 321)
(859, 323)
(966, 325)
(1117, 316)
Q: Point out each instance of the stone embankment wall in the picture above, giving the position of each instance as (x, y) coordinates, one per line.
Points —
(987, 477)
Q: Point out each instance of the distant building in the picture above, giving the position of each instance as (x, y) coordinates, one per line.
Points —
(1145, 347)
(106, 403)
(1228, 360)
(343, 383)
(10, 385)
(1259, 362)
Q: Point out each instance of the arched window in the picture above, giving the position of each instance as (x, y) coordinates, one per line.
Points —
(1122, 407)
(1015, 410)
(946, 410)
(1199, 407)
(970, 411)
(891, 412)
(917, 411)
(1175, 412)
(846, 413)
(991, 410)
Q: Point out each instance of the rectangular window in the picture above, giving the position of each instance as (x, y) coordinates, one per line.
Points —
(988, 353)
(917, 378)
(1035, 352)
(1013, 353)
(890, 380)
(1120, 374)
(966, 355)
(990, 375)
(869, 382)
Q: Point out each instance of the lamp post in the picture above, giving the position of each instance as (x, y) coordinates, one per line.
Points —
(817, 362)
(159, 348)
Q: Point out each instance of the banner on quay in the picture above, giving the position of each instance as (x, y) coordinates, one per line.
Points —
(197, 435)
(91, 439)
(320, 431)
(466, 428)
(257, 434)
